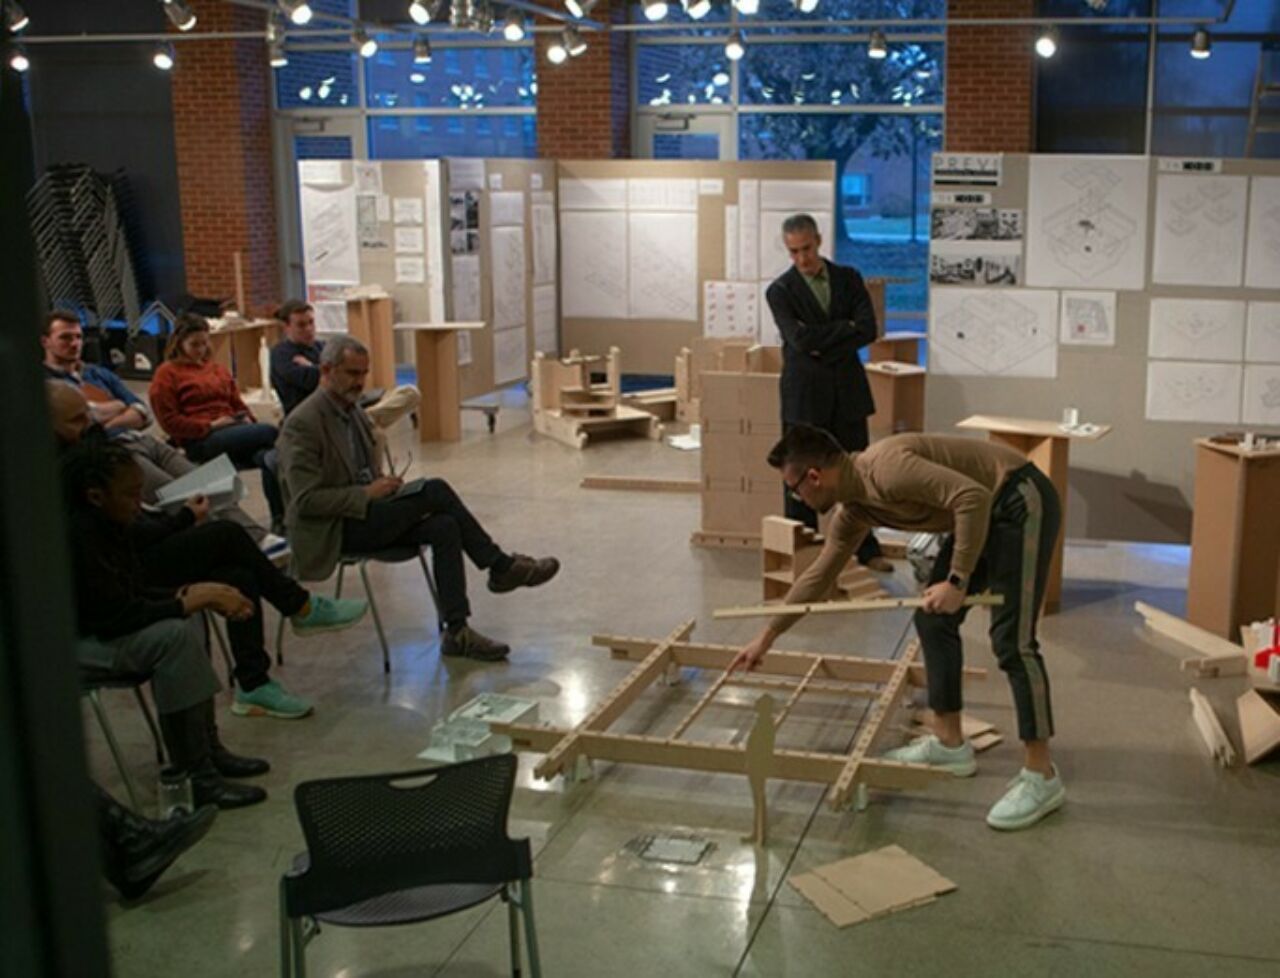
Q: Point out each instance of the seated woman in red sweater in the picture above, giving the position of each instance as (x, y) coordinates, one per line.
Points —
(199, 406)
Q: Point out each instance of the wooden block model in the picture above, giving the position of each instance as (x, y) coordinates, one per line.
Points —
(693, 361)
(788, 547)
(568, 407)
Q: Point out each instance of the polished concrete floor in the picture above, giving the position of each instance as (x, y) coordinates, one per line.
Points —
(1159, 864)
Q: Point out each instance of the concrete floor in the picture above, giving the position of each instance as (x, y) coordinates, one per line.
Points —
(1160, 863)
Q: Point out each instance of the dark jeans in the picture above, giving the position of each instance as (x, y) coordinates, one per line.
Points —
(222, 552)
(1024, 526)
(434, 517)
(853, 436)
(248, 446)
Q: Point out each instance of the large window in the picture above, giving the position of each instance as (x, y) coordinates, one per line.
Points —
(412, 137)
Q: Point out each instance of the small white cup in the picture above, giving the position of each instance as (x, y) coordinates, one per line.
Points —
(1070, 416)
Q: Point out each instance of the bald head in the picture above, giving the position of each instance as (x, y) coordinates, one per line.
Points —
(68, 410)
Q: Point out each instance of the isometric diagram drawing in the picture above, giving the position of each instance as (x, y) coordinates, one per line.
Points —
(1200, 230)
(991, 333)
(1197, 329)
(1092, 232)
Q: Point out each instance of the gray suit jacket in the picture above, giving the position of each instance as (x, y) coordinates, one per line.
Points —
(319, 483)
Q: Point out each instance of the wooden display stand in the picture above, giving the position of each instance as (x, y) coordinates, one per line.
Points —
(236, 344)
(788, 547)
(898, 392)
(1235, 538)
(902, 346)
(1046, 444)
(435, 354)
(885, 683)
(568, 407)
(703, 356)
(369, 321)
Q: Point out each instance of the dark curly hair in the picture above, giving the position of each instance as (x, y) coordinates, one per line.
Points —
(91, 464)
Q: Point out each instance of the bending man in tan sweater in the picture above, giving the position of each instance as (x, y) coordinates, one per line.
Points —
(1003, 516)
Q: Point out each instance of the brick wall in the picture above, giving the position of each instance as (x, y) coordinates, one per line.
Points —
(584, 107)
(990, 79)
(222, 133)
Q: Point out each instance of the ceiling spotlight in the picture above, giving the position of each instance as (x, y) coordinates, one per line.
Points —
(366, 45)
(734, 49)
(419, 13)
(180, 14)
(298, 11)
(579, 8)
(655, 10)
(747, 7)
(18, 59)
(277, 56)
(513, 29)
(697, 9)
(878, 47)
(421, 50)
(573, 42)
(806, 6)
(275, 28)
(1047, 43)
(1201, 45)
(15, 19)
(557, 53)
(163, 57)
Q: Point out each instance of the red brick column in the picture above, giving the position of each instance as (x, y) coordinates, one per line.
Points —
(222, 134)
(990, 79)
(584, 105)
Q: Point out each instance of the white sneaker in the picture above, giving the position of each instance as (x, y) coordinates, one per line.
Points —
(930, 750)
(272, 544)
(1031, 796)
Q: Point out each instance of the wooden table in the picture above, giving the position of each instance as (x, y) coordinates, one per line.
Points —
(1046, 444)
(1235, 538)
(435, 348)
(903, 346)
(236, 344)
(369, 320)
(898, 391)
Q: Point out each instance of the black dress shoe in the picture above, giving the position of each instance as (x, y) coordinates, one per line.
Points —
(231, 765)
(523, 572)
(209, 788)
(138, 850)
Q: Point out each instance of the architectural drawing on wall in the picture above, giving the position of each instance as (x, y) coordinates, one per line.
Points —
(1088, 319)
(593, 260)
(663, 265)
(1007, 333)
(730, 309)
(1263, 343)
(949, 268)
(330, 241)
(544, 243)
(1196, 329)
(1262, 394)
(593, 195)
(1185, 391)
(466, 289)
(507, 273)
(510, 355)
(545, 333)
(749, 229)
(1087, 222)
(1199, 228)
(1263, 266)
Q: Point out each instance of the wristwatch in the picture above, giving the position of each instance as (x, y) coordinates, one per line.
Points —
(956, 581)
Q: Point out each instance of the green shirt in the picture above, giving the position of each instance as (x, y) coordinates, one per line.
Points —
(821, 286)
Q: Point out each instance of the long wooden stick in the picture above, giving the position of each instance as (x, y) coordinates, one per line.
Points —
(843, 607)
(797, 692)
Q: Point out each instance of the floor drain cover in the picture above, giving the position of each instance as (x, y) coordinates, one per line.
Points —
(688, 850)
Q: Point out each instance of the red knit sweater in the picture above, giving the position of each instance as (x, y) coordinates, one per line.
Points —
(187, 397)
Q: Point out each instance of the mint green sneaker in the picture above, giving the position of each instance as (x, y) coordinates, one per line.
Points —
(329, 615)
(270, 700)
(930, 750)
(1030, 797)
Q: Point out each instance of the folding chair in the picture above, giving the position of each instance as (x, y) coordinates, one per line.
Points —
(91, 685)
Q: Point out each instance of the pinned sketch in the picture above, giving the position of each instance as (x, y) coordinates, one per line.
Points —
(593, 195)
(593, 264)
(368, 177)
(769, 332)
(730, 309)
(774, 258)
(975, 224)
(407, 210)
(464, 347)
(1088, 319)
(732, 269)
(1262, 394)
(331, 316)
(507, 272)
(796, 196)
(663, 263)
(330, 242)
(1263, 343)
(410, 270)
(367, 223)
(1087, 222)
(321, 173)
(410, 241)
(662, 195)
(510, 355)
(749, 229)
(1263, 267)
(465, 174)
(506, 208)
(544, 244)
(1204, 392)
(545, 334)
(1200, 230)
(954, 267)
(435, 229)
(1006, 332)
(1196, 329)
(466, 289)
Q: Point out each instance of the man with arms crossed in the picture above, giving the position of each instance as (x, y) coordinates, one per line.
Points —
(1003, 515)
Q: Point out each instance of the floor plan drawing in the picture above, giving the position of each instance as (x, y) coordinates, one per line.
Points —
(1008, 333)
(1196, 329)
(1088, 318)
(1200, 225)
(1188, 391)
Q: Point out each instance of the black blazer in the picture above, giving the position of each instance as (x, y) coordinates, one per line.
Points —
(822, 375)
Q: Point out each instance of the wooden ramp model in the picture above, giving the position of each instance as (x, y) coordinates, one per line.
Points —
(568, 407)
(785, 675)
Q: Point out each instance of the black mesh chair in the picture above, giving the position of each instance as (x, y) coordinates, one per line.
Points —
(391, 849)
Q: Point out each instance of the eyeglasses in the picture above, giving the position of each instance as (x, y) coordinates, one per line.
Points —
(793, 492)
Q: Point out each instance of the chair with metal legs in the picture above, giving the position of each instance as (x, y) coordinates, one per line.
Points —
(91, 685)
(212, 627)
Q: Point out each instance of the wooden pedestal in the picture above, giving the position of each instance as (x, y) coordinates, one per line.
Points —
(369, 321)
(902, 346)
(435, 350)
(898, 392)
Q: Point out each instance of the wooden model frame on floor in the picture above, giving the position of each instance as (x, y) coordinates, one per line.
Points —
(788, 675)
(568, 407)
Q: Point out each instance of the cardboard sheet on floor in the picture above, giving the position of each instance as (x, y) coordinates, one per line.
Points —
(872, 885)
(1259, 725)
(980, 733)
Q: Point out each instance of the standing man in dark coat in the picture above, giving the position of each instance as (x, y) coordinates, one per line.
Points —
(825, 316)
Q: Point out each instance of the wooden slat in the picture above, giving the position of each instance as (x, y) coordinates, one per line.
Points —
(633, 484)
(842, 607)
(1220, 657)
(798, 692)
(699, 706)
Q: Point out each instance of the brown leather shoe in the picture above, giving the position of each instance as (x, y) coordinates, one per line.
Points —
(467, 643)
(524, 572)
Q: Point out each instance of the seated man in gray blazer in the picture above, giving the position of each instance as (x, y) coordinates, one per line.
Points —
(337, 501)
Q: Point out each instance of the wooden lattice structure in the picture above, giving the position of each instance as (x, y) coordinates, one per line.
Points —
(784, 674)
(568, 407)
